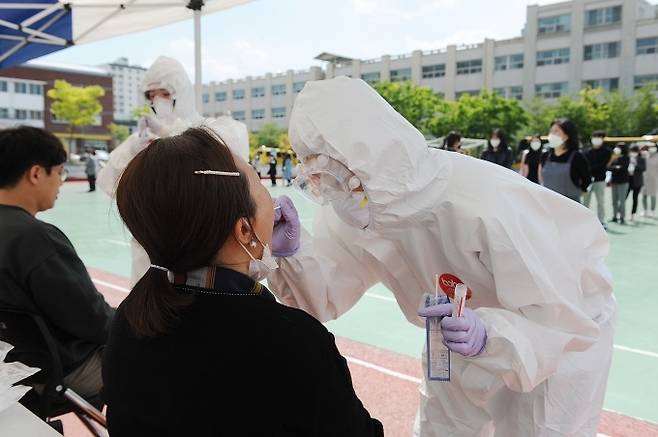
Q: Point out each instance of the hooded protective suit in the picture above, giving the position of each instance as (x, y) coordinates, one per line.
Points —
(533, 259)
(167, 73)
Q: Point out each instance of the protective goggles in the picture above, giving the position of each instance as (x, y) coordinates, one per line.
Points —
(323, 179)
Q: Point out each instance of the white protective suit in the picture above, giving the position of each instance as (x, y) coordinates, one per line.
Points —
(533, 259)
(169, 74)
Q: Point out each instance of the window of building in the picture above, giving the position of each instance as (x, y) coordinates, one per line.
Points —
(238, 94)
(20, 114)
(603, 16)
(509, 62)
(554, 24)
(431, 71)
(298, 87)
(553, 57)
(3, 86)
(400, 75)
(220, 96)
(238, 115)
(258, 114)
(646, 46)
(4, 113)
(605, 50)
(469, 67)
(279, 90)
(645, 79)
(20, 87)
(258, 91)
(611, 84)
(551, 90)
(36, 115)
(371, 78)
(512, 92)
(206, 98)
(278, 112)
(36, 89)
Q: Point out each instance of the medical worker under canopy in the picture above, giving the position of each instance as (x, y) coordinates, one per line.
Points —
(170, 96)
(531, 354)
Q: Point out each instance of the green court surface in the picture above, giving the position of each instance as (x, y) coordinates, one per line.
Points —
(93, 225)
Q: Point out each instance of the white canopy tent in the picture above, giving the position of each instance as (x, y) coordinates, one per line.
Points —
(94, 20)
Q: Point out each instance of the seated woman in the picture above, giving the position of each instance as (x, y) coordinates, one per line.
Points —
(199, 347)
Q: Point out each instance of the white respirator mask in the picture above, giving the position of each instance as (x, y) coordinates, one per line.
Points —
(535, 145)
(163, 108)
(555, 141)
(495, 142)
(597, 142)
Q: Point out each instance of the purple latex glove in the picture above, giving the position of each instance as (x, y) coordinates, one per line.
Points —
(465, 335)
(285, 236)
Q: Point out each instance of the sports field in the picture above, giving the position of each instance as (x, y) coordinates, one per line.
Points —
(383, 349)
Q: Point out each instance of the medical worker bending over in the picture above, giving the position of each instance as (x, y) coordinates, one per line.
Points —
(532, 354)
(170, 95)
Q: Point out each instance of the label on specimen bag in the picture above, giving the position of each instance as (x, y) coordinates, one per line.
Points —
(438, 355)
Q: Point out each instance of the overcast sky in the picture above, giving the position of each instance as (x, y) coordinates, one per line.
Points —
(276, 35)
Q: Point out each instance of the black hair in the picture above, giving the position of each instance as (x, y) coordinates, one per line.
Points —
(501, 136)
(635, 148)
(23, 147)
(451, 139)
(598, 133)
(569, 128)
(623, 147)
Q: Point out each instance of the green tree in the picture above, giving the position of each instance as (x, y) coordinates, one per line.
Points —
(645, 110)
(620, 115)
(538, 116)
(477, 116)
(417, 104)
(269, 135)
(77, 106)
(589, 111)
(140, 111)
(119, 133)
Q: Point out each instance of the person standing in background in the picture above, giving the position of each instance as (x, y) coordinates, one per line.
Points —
(452, 142)
(597, 157)
(618, 165)
(91, 166)
(272, 170)
(636, 167)
(563, 168)
(531, 158)
(650, 182)
(497, 150)
(287, 168)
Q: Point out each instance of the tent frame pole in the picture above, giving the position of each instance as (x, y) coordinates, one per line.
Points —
(198, 84)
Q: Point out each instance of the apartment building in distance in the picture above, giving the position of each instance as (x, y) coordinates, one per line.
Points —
(127, 89)
(612, 44)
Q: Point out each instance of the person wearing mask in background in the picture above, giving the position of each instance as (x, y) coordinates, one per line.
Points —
(287, 168)
(272, 169)
(636, 167)
(91, 166)
(497, 150)
(618, 166)
(597, 157)
(452, 142)
(531, 158)
(170, 95)
(540, 321)
(199, 347)
(563, 168)
(650, 182)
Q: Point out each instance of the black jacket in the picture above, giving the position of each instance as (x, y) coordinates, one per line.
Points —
(40, 271)
(636, 179)
(234, 365)
(619, 169)
(501, 156)
(598, 162)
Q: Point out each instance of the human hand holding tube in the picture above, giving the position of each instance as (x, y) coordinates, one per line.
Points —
(465, 335)
(286, 233)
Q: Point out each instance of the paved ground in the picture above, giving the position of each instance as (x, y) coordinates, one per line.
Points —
(383, 349)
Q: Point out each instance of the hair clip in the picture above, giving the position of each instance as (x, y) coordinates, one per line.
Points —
(217, 173)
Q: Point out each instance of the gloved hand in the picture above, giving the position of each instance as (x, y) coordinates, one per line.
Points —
(286, 233)
(465, 335)
(155, 126)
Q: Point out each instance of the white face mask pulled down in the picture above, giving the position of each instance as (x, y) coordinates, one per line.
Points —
(260, 268)
(163, 108)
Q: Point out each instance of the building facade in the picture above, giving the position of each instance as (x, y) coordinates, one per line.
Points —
(127, 89)
(25, 101)
(612, 44)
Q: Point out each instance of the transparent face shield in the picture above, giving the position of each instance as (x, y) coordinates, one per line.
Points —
(323, 180)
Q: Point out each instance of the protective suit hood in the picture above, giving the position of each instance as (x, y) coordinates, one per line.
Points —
(349, 121)
(169, 74)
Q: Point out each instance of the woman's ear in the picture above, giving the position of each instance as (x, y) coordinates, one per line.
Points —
(242, 232)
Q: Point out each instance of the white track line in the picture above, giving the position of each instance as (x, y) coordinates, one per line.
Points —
(117, 242)
(390, 299)
(383, 370)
